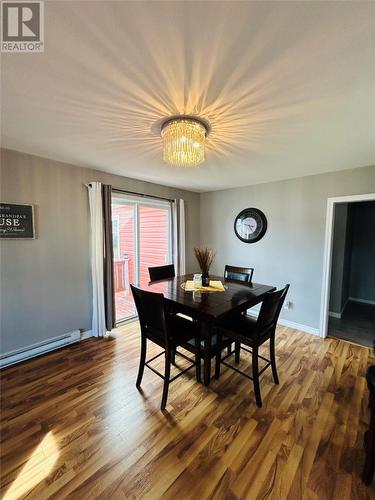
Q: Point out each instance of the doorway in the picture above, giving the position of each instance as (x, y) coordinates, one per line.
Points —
(141, 230)
(327, 260)
(352, 280)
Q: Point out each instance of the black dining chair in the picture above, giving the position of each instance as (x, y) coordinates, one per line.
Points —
(369, 438)
(239, 274)
(253, 333)
(161, 272)
(165, 330)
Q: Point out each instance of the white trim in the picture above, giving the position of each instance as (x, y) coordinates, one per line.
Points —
(290, 324)
(298, 326)
(86, 334)
(125, 321)
(327, 259)
(10, 358)
(338, 315)
(116, 218)
(362, 301)
(334, 315)
(119, 198)
(179, 236)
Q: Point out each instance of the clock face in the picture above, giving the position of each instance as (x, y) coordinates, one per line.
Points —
(250, 225)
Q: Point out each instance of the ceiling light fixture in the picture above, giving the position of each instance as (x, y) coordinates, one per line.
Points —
(184, 140)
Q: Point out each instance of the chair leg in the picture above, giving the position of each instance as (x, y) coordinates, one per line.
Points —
(256, 376)
(273, 359)
(229, 349)
(218, 356)
(198, 367)
(206, 333)
(197, 359)
(237, 348)
(369, 466)
(167, 376)
(369, 444)
(173, 356)
(142, 361)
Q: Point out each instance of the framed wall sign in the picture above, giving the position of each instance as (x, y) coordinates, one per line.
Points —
(250, 225)
(16, 221)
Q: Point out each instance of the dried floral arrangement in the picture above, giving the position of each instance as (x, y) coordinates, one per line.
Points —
(205, 257)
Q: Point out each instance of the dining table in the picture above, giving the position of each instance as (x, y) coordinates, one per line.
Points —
(208, 308)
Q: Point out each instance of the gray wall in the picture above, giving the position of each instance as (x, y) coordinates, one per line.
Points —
(292, 249)
(45, 283)
(362, 267)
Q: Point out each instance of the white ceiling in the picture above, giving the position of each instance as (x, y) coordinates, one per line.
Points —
(288, 87)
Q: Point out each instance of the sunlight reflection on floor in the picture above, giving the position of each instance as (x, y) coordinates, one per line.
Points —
(37, 468)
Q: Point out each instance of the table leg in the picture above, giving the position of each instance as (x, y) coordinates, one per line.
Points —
(206, 335)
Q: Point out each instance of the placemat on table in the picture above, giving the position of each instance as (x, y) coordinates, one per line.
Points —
(215, 286)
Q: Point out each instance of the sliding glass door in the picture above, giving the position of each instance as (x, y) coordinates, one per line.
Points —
(141, 239)
(124, 256)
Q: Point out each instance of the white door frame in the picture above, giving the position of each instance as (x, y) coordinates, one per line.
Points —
(327, 262)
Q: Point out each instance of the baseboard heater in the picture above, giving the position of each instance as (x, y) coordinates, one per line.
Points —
(19, 355)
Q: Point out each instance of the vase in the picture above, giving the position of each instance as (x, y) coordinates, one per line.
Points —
(205, 279)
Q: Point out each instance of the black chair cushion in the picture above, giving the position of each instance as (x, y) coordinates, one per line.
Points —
(241, 327)
(225, 342)
(370, 376)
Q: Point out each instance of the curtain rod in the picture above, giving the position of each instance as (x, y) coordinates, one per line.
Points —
(118, 190)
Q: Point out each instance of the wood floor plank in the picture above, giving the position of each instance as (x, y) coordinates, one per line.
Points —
(74, 426)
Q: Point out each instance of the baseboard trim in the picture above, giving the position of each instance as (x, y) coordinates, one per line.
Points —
(299, 326)
(339, 315)
(291, 324)
(362, 301)
(86, 334)
(335, 315)
(19, 355)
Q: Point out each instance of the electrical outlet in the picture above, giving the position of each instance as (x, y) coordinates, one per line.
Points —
(288, 304)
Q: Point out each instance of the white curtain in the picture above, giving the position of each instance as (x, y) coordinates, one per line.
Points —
(97, 254)
(178, 224)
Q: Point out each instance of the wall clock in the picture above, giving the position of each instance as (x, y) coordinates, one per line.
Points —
(250, 225)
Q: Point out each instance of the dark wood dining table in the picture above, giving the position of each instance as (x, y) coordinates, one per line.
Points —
(208, 308)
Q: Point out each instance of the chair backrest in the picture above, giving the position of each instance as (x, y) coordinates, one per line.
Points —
(270, 309)
(151, 312)
(161, 272)
(242, 274)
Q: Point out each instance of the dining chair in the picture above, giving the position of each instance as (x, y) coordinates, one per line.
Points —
(253, 333)
(165, 330)
(161, 272)
(224, 344)
(369, 438)
(240, 274)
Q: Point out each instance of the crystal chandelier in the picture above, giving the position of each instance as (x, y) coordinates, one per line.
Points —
(183, 140)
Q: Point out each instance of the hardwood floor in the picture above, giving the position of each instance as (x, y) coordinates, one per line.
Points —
(74, 425)
(357, 324)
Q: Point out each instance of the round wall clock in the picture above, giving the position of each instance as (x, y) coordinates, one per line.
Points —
(250, 225)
